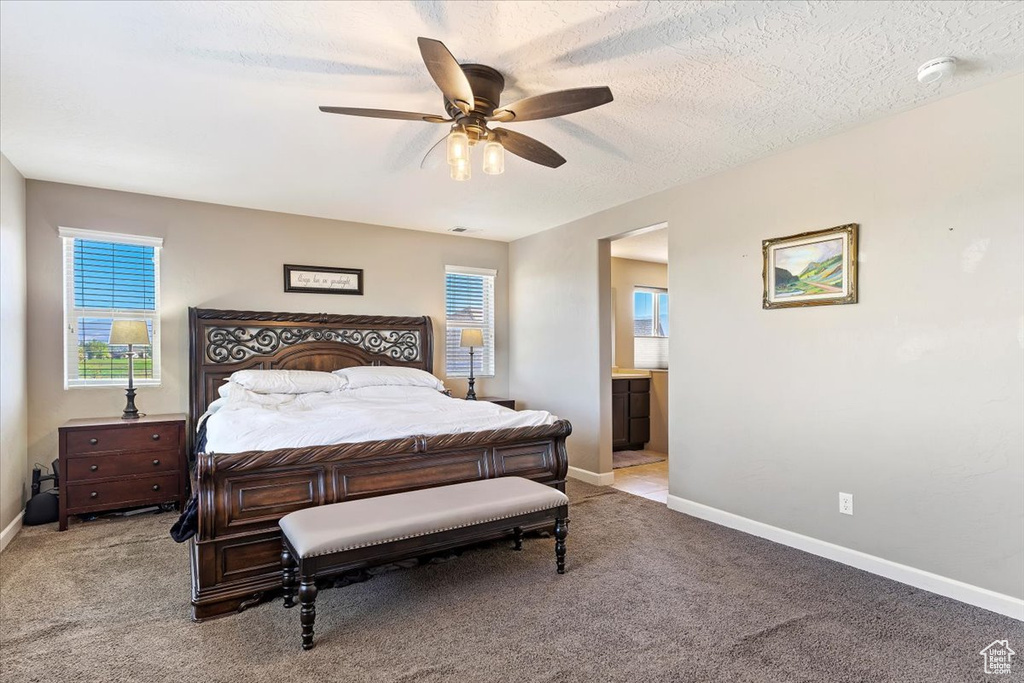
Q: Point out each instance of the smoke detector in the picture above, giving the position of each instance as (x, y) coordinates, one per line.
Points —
(935, 70)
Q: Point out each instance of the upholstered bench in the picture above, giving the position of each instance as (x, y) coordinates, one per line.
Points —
(329, 539)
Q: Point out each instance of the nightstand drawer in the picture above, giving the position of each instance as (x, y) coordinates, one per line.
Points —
(128, 438)
(127, 464)
(123, 492)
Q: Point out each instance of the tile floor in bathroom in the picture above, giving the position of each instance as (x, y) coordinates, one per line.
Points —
(649, 481)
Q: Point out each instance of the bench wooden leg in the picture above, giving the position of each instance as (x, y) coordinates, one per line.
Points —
(307, 596)
(561, 531)
(288, 576)
(518, 531)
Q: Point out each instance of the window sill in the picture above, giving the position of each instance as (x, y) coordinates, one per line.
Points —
(114, 385)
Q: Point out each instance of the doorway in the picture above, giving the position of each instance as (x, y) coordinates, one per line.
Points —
(639, 331)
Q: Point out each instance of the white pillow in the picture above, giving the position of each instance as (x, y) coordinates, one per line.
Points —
(287, 381)
(386, 376)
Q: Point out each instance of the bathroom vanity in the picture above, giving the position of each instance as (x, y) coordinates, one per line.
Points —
(631, 411)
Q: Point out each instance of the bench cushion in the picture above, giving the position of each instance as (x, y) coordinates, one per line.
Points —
(327, 529)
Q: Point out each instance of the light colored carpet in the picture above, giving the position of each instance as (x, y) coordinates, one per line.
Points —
(622, 459)
(650, 595)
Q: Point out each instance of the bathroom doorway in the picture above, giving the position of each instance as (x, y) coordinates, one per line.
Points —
(639, 305)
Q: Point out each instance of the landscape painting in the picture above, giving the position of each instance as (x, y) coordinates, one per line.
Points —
(811, 268)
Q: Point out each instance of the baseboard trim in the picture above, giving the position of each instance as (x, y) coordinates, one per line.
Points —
(606, 479)
(11, 531)
(919, 578)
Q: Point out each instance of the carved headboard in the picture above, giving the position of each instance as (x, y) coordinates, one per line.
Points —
(221, 342)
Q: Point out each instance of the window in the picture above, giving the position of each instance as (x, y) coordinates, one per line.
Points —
(650, 328)
(108, 277)
(469, 303)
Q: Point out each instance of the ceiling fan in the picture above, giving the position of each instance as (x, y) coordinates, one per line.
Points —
(472, 94)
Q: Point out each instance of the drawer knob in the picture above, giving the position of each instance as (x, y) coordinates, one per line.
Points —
(156, 462)
(93, 494)
(93, 468)
(156, 487)
(94, 441)
(156, 437)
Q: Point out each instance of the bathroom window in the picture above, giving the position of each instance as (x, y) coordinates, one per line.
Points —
(650, 328)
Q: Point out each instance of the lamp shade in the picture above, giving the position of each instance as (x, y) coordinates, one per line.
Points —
(472, 337)
(129, 332)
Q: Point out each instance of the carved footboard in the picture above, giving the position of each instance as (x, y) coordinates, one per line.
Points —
(241, 496)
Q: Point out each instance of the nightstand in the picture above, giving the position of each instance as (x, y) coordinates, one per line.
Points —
(110, 463)
(506, 402)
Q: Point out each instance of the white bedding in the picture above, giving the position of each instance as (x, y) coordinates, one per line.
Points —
(247, 421)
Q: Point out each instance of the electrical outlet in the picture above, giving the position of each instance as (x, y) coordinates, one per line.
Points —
(846, 503)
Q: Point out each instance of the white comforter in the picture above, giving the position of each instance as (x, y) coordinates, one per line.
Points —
(247, 421)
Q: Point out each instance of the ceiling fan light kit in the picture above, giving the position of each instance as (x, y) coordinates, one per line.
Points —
(494, 158)
(458, 146)
(461, 170)
(472, 94)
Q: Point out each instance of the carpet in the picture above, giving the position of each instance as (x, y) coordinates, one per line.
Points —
(622, 459)
(650, 595)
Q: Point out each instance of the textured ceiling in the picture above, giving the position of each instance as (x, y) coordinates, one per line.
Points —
(647, 246)
(218, 101)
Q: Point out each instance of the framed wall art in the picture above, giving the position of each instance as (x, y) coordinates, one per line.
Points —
(323, 280)
(811, 269)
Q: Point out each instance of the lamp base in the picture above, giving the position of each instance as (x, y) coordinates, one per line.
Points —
(471, 394)
(130, 411)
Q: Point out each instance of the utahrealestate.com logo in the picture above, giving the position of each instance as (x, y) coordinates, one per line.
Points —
(998, 657)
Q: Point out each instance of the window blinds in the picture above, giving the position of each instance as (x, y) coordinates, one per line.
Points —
(109, 277)
(469, 303)
(650, 353)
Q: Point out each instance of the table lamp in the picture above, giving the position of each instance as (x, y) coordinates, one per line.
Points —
(129, 332)
(471, 337)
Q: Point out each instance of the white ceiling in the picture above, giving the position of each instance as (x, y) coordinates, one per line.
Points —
(647, 246)
(218, 101)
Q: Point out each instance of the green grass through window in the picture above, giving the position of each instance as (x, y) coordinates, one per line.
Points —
(114, 368)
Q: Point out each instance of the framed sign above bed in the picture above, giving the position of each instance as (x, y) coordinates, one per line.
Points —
(323, 280)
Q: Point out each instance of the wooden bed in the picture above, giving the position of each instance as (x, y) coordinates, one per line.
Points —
(236, 554)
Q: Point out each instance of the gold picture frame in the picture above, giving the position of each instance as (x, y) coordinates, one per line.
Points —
(826, 265)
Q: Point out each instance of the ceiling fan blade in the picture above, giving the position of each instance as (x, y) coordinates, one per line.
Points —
(447, 73)
(432, 159)
(554, 104)
(526, 147)
(385, 114)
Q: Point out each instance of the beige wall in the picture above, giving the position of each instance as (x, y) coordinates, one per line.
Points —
(660, 415)
(223, 257)
(625, 275)
(13, 387)
(912, 399)
(558, 279)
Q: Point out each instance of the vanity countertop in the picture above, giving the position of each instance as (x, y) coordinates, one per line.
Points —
(635, 374)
